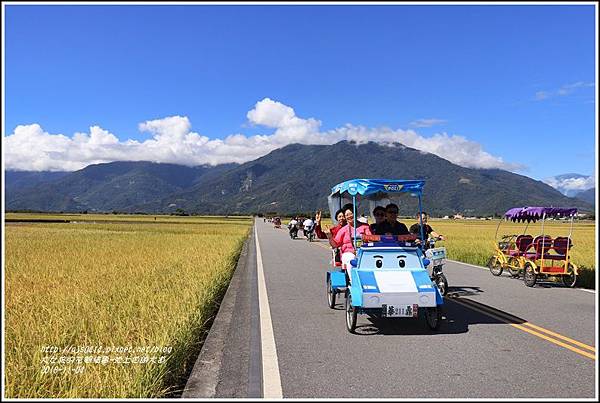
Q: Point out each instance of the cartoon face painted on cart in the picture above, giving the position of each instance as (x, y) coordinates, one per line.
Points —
(392, 259)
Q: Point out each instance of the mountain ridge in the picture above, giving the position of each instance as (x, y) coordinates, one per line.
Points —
(287, 180)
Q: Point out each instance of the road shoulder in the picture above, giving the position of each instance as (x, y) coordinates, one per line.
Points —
(219, 371)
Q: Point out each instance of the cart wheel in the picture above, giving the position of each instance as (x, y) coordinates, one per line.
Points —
(529, 276)
(351, 314)
(569, 279)
(442, 284)
(330, 294)
(495, 266)
(433, 317)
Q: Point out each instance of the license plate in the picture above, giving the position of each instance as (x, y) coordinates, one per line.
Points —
(400, 311)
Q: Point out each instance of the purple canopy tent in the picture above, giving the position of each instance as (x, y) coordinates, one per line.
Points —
(535, 213)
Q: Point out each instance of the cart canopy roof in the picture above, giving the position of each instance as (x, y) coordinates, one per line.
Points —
(369, 187)
(536, 213)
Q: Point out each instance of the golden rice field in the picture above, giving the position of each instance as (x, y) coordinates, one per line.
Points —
(92, 284)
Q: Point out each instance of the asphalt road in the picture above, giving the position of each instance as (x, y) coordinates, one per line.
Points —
(498, 338)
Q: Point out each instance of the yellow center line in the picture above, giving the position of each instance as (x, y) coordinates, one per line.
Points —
(525, 329)
(514, 319)
(539, 328)
(578, 343)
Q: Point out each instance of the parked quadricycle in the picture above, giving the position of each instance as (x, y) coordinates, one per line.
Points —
(536, 257)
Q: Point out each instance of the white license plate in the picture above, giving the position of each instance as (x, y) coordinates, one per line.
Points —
(400, 311)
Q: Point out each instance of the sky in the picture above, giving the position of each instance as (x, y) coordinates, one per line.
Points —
(484, 86)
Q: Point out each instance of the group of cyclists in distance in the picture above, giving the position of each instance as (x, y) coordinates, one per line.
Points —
(340, 235)
(307, 225)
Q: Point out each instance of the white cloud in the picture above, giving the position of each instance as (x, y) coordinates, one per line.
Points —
(562, 91)
(573, 185)
(173, 141)
(427, 122)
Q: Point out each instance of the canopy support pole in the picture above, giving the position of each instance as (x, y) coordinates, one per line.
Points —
(354, 219)
(421, 220)
(567, 254)
(497, 228)
(543, 240)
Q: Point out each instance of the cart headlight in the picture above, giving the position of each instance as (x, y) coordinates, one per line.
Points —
(424, 299)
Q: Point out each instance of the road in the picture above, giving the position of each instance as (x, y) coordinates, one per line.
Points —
(498, 338)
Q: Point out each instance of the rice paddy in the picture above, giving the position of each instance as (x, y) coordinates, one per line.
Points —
(112, 309)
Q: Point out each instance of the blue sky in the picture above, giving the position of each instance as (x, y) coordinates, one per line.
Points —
(518, 81)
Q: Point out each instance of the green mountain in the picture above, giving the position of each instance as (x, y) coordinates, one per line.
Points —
(588, 196)
(295, 178)
(108, 187)
(299, 178)
(17, 180)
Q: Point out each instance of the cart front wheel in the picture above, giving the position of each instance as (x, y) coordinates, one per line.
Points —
(529, 276)
(495, 266)
(433, 317)
(570, 279)
(442, 284)
(330, 294)
(351, 314)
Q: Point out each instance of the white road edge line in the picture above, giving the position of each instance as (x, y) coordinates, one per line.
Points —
(485, 268)
(468, 264)
(270, 365)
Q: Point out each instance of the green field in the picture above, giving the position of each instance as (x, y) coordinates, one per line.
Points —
(132, 282)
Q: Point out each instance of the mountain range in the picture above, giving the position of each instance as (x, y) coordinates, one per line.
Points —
(295, 178)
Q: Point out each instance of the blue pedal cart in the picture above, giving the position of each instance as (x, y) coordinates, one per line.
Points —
(389, 277)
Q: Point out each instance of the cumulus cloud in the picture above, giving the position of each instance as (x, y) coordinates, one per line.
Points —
(29, 147)
(562, 91)
(427, 122)
(570, 186)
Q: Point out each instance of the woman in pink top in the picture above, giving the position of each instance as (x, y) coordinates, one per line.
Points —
(344, 239)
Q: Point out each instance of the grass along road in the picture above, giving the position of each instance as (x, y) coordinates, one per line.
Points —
(101, 284)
